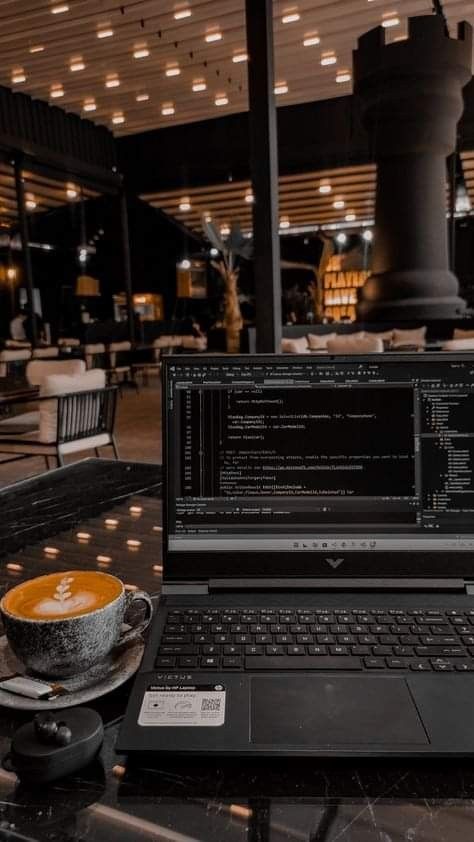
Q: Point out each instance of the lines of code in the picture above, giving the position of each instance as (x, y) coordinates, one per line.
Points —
(448, 450)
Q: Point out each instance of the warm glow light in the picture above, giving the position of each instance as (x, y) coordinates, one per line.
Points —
(112, 81)
(38, 48)
(157, 568)
(16, 568)
(291, 17)
(338, 203)
(30, 201)
(344, 76)
(328, 58)
(207, 218)
(213, 36)
(157, 529)
(71, 191)
(104, 559)
(249, 197)
(368, 235)
(134, 543)
(238, 57)
(18, 76)
(390, 19)
(167, 109)
(89, 105)
(111, 522)
(180, 14)
(56, 91)
(83, 536)
(185, 204)
(281, 88)
(60, 9)
(311, 41)
(221, 99)
(77, 64)
(199, 85)
(136, 510)
(51, 550)
(173, 70)
(142, 97)
(324, 186)
(284, 222)
(225, 230)
(118, 117)
(11, 271)
(105, 33)
(341, 239)
(350, 217)
(141, 52)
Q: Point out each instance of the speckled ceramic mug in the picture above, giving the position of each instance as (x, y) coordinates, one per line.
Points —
(63, 623)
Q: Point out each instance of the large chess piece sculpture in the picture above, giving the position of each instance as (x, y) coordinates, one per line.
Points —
(411, 99)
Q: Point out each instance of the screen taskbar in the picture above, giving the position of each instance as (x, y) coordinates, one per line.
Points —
(255, 543)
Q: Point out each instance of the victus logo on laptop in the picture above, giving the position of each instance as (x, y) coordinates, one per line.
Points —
(334, 562)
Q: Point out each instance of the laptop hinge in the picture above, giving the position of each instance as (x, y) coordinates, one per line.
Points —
(469, 587)
(190, 588)
(368, 585)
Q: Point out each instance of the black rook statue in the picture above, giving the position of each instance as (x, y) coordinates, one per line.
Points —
(410, 93)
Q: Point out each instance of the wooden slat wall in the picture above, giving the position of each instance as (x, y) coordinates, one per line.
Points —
(46, 192)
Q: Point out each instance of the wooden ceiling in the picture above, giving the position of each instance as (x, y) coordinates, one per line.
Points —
(351, 189)
(41, 193)
(41, 40)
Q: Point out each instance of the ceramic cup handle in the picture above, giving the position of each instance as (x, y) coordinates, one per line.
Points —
(136, 631)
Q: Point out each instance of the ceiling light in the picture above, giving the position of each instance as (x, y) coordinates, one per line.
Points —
(56, 91)
(225, 230)
(214, 252)
(207, 217)
(221, 99)
(60, 9)
(238, 57)
(185, 204)
(213, 36)
(338, 203)
(89, 104)
(328, 58)
(112, 81)
(71, 191)
(142, 97)
(285, 222)
(167, 109)
(281, 88)
(30, 201)
(390, 19)
(249, 197)
(185, 264)
(350, 217)
(199, 85)
(105, 33)
(141, 52)
(291, 17)
(368, 235)
(38, 48)
(180, 14)
(325, 186)
(118, 117)
(311, 41)
(343, 76)
(173, 70)
(77, 64)
(341, 239)
(18, 76)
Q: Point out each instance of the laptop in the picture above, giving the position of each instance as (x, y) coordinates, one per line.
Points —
(318, 591)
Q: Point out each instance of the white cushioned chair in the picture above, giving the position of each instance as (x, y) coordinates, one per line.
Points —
(75, 414)
(466, 344)
(318, 342)
(295, 346)
(415, 337)
(37, 370)
(12, 359)
(46, 353)
(459, 333)
(95, 355)
(363, 345)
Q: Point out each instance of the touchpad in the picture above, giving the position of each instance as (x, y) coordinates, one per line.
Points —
(325, 710)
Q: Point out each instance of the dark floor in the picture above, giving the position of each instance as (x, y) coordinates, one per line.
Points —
(138, 433)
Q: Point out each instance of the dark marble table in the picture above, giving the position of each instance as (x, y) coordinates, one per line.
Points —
(186, 800)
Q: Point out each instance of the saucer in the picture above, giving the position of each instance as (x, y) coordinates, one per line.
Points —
(111, 672)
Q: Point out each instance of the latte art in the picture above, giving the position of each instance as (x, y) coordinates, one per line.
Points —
(62, 595)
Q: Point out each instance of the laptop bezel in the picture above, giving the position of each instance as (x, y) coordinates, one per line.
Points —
(197, 567)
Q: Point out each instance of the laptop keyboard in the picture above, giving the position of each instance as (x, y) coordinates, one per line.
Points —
(418, 640)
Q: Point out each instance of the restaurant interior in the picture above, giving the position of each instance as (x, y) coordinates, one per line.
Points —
(185, 180)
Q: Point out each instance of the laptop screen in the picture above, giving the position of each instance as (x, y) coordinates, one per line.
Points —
(306, 465)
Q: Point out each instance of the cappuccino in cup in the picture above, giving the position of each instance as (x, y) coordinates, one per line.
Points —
(64, 623)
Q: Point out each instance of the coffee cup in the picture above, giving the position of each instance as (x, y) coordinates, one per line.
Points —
(63, 623)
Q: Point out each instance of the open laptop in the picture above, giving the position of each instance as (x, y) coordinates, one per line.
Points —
(318, 594)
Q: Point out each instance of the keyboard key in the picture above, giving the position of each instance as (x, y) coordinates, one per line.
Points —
(210, 662)
(374, 663)
(302, 662)
(162, 661)
(232, 650)
(294, 650)
(438, 640)
(176, 638)
(396, 663)
(232, 663)
(464, 666)
(274, 650)
(254, 650)
(442, 667)
(177, 649)
(339, 650)
(382, 651)
(189, 661)
(317, 650)
(420, 666)
(360, 650)
(429, 651)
